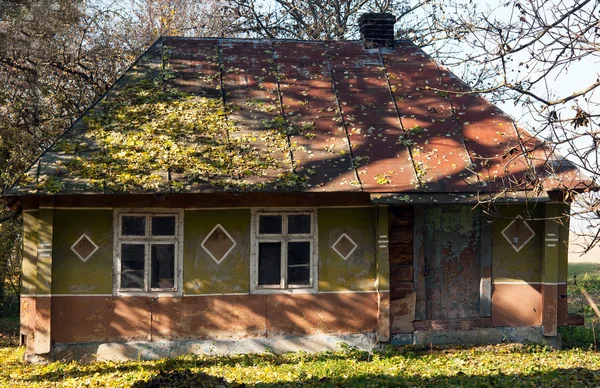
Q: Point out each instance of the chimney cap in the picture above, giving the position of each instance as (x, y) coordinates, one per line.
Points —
(369, 16)
(377, 29)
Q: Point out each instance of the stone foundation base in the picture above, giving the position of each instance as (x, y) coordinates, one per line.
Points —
(483, 336)
(123, 351)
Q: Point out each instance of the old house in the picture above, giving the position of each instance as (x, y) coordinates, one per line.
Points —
(238, 195)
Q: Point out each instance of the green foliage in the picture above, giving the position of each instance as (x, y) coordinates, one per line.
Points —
(9, 325)
(406, 137)
(503, 365)
(146, 129)
(382, 179)
(581, 337)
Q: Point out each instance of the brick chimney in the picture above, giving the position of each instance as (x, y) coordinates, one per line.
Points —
(377, 29)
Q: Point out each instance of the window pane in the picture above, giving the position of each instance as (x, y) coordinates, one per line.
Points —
(163, 225)
(163, 266)
(133, 225)
(299, 253)
(269, 225)
(299, 224)
(299, 275)
(132, 266)
(269, 263)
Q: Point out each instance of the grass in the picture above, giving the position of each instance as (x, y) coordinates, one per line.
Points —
(583, 269)
(510, 365)
(9, 325)
(583, 276)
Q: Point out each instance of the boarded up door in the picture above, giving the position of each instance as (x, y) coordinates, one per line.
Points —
(451, 262)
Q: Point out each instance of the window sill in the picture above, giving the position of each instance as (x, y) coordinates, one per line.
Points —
(307, 290)
(153, 294)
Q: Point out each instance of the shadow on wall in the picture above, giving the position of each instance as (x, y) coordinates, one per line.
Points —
(110, 319)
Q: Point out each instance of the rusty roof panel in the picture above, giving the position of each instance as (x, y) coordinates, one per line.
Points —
(332, 116)
(362, 89)
(436, 143)
(319, 141)
(492, 142)
(248, 72)
(197, 74)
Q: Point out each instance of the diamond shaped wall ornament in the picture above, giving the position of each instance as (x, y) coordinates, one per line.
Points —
(218, 243)
(84, 247)
(344, 246)
(518, 233)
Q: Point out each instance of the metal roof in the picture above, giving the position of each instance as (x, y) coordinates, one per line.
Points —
(372, 120)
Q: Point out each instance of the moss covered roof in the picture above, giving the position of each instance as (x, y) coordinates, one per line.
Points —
(206, 115)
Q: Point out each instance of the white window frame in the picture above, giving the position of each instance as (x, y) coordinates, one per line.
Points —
(284, 238)
(147, 240)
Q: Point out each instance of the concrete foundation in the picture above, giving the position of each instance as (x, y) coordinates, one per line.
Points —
(123, 351)
(484, 336)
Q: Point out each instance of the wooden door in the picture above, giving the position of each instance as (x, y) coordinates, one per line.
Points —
(451, 265)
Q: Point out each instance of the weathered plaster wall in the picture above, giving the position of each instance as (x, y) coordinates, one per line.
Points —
(509, 265)
(82, 311)
(71, 275)
(357, 272)
(30, 246)
(105, 319)
(201, 274)
(516, 295)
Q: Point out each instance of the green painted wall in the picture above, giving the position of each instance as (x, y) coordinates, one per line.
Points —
(201, 274)
(70, 275)
(525, 265)
(358, 272)
(563, 245)
(30, 243)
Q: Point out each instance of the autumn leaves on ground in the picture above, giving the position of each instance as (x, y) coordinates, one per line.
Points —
(510, 365)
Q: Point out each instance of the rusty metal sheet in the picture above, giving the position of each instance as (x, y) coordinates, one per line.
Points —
(356, 119)
(363, 91)
(250, 93)
(195, 68)
(319, 143)
(556, 172)
(299, 53)
(490, 135)
(441, 160)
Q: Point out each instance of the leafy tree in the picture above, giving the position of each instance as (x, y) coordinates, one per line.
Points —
(58, 56)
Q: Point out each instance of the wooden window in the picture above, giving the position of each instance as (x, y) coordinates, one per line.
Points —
(284, 251)
(147, 252)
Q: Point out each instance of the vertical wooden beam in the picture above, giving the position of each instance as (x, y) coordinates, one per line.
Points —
(29, 278)
(550, 270)
(383, 274)
(43, 342)
(563, 266)
(485, 261)
(419, 263)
